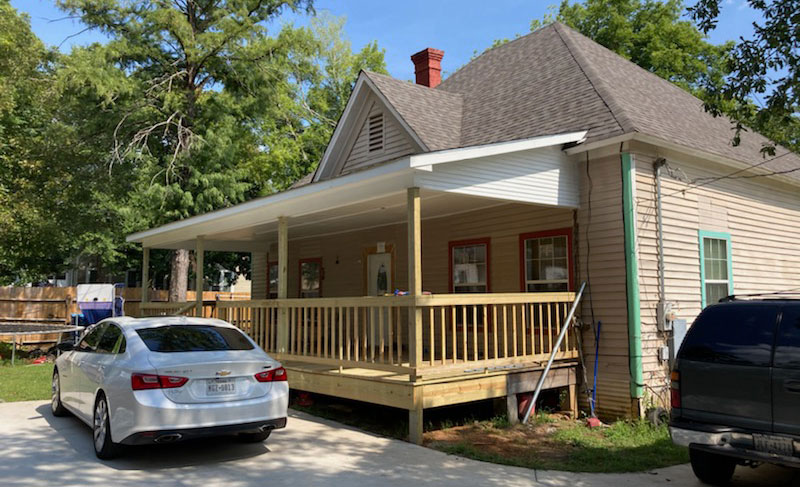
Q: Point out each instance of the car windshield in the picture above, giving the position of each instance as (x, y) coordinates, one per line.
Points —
(193, 338)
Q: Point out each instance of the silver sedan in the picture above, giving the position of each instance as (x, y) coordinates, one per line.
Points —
(159, 380)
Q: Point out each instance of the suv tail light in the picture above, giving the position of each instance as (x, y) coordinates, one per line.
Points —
(675, 389)
(274, 375)
(141, 382)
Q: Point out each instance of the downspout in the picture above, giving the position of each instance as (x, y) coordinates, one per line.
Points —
(632, 278)
(662, 294)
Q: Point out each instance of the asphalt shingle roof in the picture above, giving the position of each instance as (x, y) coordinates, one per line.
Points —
(556, 80)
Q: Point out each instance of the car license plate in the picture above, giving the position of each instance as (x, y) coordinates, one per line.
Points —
(220, 387)
(773, 444)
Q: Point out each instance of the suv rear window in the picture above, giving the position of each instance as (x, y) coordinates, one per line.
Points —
(193, 338)
(733, 334)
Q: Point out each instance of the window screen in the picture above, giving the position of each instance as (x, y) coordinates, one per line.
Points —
(716, 280)
(193, 338)
(732, 333)
(310, 279)
(470, 268)
(547, 264)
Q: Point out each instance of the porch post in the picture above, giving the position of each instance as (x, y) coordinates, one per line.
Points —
(283, 283)
(145, 273)
(414, 313)
(198, 278)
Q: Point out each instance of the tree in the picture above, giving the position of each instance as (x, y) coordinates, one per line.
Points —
(184, 85)
(763, 67)
(301, 128)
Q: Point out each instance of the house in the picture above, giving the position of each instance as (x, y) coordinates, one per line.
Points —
(489, 197)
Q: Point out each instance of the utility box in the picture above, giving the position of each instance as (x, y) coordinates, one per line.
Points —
(679, 328)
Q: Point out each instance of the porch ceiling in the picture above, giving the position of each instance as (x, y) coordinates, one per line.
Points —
(389, 209)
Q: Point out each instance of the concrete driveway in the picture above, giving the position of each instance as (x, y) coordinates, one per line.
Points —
(39, 449)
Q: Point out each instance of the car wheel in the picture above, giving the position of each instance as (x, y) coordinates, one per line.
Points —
(55, 402)
(104, 448)
(253, 437)
(712, 468)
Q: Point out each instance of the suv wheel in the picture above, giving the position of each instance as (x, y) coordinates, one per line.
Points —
(712, 468)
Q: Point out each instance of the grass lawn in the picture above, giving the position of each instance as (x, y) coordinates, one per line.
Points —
(24, 382)
(560, 444)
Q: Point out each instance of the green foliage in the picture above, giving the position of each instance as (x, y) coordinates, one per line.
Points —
(189, 107)
(764, 67)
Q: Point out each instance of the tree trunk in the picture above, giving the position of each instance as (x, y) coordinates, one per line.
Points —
(179, 275)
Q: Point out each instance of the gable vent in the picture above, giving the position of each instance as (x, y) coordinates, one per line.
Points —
(376, 132)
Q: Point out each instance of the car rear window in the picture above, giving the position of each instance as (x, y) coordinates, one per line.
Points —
(193, 338)
(733, 334)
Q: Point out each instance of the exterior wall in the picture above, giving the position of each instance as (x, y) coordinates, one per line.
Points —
(395, 143)
(601, 263)
(542, 176)
(761, 215)
(258, 275)
(501, 224)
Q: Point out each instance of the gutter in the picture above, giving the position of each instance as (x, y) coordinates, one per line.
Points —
(632, 278)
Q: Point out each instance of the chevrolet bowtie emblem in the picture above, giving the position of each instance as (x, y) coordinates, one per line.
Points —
(223, 373)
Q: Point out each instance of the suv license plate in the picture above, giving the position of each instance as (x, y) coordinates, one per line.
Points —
(220, 387)
(773, 444)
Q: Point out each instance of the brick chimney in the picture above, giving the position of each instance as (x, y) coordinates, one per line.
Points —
(428, 67)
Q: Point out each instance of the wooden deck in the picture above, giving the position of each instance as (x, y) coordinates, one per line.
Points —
(409, 352)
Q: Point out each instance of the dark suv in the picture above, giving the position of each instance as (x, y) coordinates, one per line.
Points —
(736, 387)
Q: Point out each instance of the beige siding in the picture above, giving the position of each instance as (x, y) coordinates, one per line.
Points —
(258, 275)
(762, 217)
(600, 242)
(342, 255)
(396, 142)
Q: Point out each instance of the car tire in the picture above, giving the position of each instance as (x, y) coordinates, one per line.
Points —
(253, 437)
(104, 448)
(56, 406)
(712, 468)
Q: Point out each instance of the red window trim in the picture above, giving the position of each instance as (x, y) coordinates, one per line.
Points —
(558, 232)
(460, 243)
(300, 274)
(269, 266)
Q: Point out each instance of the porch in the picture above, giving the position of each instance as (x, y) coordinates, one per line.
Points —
(435, 279)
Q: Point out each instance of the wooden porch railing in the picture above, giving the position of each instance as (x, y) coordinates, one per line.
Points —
(461, 333)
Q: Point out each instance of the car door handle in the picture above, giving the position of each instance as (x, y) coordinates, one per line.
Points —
(792, 385)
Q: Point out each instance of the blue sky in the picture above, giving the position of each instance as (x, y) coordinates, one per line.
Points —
(459, 27)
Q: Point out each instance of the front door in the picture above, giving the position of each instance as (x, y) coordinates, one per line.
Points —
(379, 274)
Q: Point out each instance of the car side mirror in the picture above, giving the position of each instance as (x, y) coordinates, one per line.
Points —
(65, 346)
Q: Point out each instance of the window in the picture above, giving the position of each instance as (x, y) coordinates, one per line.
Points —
(311, 278)
(272, 280)
(193, 338)
(739, 333)
(112, 340)
(546, 260)
(89, 341)
(469, 266)
(716, 270)
(787, 344)
(376, 132)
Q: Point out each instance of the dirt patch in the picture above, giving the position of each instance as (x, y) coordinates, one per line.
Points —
(514, 442)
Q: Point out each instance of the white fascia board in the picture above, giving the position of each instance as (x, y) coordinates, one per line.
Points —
(294, 202)
(424, 161)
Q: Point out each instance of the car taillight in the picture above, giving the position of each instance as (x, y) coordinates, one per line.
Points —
(274, 375)
(675, 389)
(141, 382)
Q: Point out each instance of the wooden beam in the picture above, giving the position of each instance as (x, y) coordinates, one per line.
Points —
(414, 279)
(512, 408)
(415, 417)
(199, 254)
(283, 283)
(145, 273)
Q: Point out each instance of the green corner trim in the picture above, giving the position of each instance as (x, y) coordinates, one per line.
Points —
(632, 278)
(701, 236)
